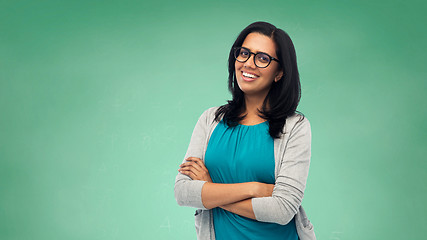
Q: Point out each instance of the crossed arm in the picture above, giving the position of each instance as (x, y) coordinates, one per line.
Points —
(236, 198)
(193, 187)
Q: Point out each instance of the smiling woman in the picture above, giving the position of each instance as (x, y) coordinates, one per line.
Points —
(247, 163)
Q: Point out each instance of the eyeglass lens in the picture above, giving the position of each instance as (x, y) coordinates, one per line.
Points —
(261, 59)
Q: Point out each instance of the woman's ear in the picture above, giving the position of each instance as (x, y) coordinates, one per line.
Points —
(278, 76)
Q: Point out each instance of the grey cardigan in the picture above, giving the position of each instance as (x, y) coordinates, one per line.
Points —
(292, 153)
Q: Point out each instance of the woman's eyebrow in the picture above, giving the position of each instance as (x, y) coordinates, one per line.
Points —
(257, 51)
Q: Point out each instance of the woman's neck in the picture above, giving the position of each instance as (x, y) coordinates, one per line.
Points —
(253, 103)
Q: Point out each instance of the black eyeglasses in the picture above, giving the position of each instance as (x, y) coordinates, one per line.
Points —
(261, 60)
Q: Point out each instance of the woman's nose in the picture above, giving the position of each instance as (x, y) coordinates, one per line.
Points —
(250, 63)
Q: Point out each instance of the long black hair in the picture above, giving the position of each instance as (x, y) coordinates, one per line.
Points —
(283, 96)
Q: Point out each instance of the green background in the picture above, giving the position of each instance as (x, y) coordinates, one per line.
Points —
(98, 100)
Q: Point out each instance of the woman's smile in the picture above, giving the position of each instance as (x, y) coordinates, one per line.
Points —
(249, 77)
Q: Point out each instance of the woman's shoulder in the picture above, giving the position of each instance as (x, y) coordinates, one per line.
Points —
(208, 116)
(296, 121)
(210, 112)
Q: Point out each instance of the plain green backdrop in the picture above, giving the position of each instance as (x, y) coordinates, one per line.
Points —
(98, 100)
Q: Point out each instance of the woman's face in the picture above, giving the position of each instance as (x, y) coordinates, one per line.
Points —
(251, 79)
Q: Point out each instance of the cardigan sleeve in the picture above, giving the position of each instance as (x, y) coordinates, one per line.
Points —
(188, 192)
(290, 183)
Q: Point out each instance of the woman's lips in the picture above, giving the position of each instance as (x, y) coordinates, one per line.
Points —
(247, 78)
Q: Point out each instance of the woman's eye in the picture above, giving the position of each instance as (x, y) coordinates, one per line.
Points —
(263, 58)
(244, 53)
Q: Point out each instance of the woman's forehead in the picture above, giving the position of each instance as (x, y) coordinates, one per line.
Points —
(257, 42)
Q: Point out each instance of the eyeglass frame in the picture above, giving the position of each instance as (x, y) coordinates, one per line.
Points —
(255, 54)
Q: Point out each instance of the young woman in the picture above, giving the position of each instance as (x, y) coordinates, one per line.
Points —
(247, 163)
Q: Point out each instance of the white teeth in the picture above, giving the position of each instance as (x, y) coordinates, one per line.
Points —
(249, 75)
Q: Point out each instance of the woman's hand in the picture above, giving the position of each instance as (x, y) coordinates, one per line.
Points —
(195, 169)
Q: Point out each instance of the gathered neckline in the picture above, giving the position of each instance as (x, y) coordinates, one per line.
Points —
(252, 125)
(222, 120)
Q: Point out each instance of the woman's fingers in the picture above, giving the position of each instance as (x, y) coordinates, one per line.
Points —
(196, 167)
(199, 162)
(190, 169)
(188, 173)
(192, 164)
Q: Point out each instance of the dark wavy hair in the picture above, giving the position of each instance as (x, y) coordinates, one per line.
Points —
(283, 96)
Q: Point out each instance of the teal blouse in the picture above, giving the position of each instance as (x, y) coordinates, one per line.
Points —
(243, 154)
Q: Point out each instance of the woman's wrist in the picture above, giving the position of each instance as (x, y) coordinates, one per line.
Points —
(252, 189)
(258, 189)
